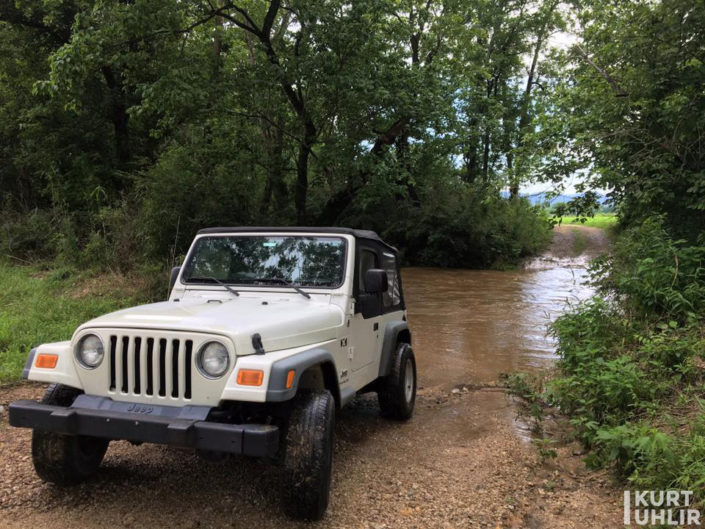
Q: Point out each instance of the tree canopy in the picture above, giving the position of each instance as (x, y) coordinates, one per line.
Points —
(125, 125)
(629, 106)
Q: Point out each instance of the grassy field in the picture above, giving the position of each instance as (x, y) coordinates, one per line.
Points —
(38, 306)
(605, 221)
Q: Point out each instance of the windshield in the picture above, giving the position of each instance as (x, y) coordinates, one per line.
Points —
(305, 261)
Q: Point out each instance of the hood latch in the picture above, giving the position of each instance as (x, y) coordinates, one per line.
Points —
(257, 344)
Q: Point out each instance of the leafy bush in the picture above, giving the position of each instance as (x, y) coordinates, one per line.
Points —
(191, 187)
(655, 274)
(631, 361)
(529, 388)
(29, 236)
(653, 459)
(458, 225)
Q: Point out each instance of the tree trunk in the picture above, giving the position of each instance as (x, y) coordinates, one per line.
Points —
(525, 117)
(301, 188)
(118, 116)
(217, 47)
(276, 168)
(402, 145)
(486, 156)
(514, 186)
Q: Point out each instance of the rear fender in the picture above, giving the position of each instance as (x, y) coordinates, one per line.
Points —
(394, 332)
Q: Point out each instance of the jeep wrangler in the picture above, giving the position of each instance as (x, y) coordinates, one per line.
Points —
(266, 332)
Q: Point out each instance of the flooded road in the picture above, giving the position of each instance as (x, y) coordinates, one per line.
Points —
(469, 326)
(459, 462)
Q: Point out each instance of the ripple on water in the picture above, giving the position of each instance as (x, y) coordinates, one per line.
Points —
(471, 325)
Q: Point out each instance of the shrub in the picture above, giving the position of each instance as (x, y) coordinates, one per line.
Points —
(654, 274)
(457, 225)
(630, 368)
(29, 237)
(188, 189)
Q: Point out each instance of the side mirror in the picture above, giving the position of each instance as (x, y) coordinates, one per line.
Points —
(376, 281)
(172, 278)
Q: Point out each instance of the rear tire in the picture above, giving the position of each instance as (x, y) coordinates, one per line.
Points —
(397, 392)
(308, 455)
(65, 459)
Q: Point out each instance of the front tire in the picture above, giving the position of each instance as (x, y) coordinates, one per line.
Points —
(65, 459)
(397, 392)
(308, 455)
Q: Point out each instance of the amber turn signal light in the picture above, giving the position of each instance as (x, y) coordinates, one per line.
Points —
(46, 361)
(250, 377)
(290, 379)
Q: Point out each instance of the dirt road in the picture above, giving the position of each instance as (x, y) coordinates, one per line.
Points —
(460, 462)
(574, 244)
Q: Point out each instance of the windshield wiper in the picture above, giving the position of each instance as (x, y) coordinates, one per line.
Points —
(209, 278)
(284, 282)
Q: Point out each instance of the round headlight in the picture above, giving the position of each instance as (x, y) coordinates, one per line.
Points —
(90, 351)
(213, 359)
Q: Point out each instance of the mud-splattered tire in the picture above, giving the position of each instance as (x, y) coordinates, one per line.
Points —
(397, 392)
(308, 455)
(65, 459)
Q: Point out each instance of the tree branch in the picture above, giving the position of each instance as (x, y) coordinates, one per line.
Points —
(13, 16)
(239, 23)
(270, 16)
(606, 76)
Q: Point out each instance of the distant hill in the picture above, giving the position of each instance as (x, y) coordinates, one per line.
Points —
(542, 198)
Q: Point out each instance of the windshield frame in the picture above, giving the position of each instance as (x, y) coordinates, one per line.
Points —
(245, 287)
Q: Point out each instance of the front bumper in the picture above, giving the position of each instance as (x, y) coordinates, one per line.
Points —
(102, 417)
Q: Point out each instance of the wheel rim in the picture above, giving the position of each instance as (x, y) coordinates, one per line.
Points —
(409, 381)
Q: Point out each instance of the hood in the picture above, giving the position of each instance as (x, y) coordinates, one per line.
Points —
(282, 323)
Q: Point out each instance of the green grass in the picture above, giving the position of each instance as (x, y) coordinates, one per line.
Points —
(605, 221)
(39, 306)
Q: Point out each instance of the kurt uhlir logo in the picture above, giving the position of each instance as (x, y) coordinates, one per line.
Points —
(660, 507)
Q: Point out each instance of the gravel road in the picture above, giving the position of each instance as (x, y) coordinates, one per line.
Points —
(460, 462)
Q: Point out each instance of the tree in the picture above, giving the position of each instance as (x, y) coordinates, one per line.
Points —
(153, 118)
(629, 108)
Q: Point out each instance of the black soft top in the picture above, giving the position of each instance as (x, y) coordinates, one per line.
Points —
(358, 234)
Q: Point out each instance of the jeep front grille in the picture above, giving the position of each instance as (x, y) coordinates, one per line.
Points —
(151, 366)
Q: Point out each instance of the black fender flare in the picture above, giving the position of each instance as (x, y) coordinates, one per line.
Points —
(300, 362)
(394, 331)
(29, 363)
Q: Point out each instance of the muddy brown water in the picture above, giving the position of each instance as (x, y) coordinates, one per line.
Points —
(471, 325)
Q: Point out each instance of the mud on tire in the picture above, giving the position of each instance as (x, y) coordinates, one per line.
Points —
(65, 459)
(397, 391)
(308, 455)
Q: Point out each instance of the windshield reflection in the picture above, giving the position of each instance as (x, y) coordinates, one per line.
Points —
(268, 260)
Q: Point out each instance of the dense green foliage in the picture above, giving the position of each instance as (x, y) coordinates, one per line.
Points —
(631, 367)
(126, 126)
